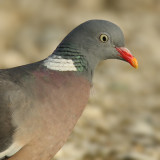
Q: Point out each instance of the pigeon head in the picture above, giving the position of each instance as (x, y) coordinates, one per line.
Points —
(91, 42)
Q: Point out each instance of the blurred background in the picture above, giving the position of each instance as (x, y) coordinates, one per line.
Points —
(122, 119)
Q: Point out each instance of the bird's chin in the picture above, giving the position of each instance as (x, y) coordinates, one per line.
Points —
(125, 54)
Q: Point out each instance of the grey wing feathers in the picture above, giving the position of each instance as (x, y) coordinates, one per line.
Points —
(6, 126)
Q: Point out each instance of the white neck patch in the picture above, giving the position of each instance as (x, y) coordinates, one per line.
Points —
(55, 62)
(15, 147)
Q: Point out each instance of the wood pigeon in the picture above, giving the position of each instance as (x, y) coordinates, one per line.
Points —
(41, 102)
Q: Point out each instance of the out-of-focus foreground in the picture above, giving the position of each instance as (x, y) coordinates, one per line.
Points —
(122, 119)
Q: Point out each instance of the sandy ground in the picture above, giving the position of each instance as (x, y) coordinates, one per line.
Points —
(122, 119)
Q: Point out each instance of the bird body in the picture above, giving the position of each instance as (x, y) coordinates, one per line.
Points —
(35, 99)
(41, 102)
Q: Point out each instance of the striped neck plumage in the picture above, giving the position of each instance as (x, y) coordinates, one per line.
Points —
(66, 58)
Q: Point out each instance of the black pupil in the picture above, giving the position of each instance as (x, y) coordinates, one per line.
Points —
(104, 38)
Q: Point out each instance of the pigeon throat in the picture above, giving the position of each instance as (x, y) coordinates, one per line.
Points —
(66, 58)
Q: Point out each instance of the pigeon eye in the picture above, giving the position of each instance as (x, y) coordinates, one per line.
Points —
(103, 38)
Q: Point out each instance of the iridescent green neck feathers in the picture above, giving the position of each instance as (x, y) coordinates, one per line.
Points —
(66, 58)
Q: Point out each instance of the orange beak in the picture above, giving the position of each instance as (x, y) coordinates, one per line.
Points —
(127, 56)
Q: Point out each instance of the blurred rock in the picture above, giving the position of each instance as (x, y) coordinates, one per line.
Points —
(12, 59)
(136, 156)
(141, 128)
